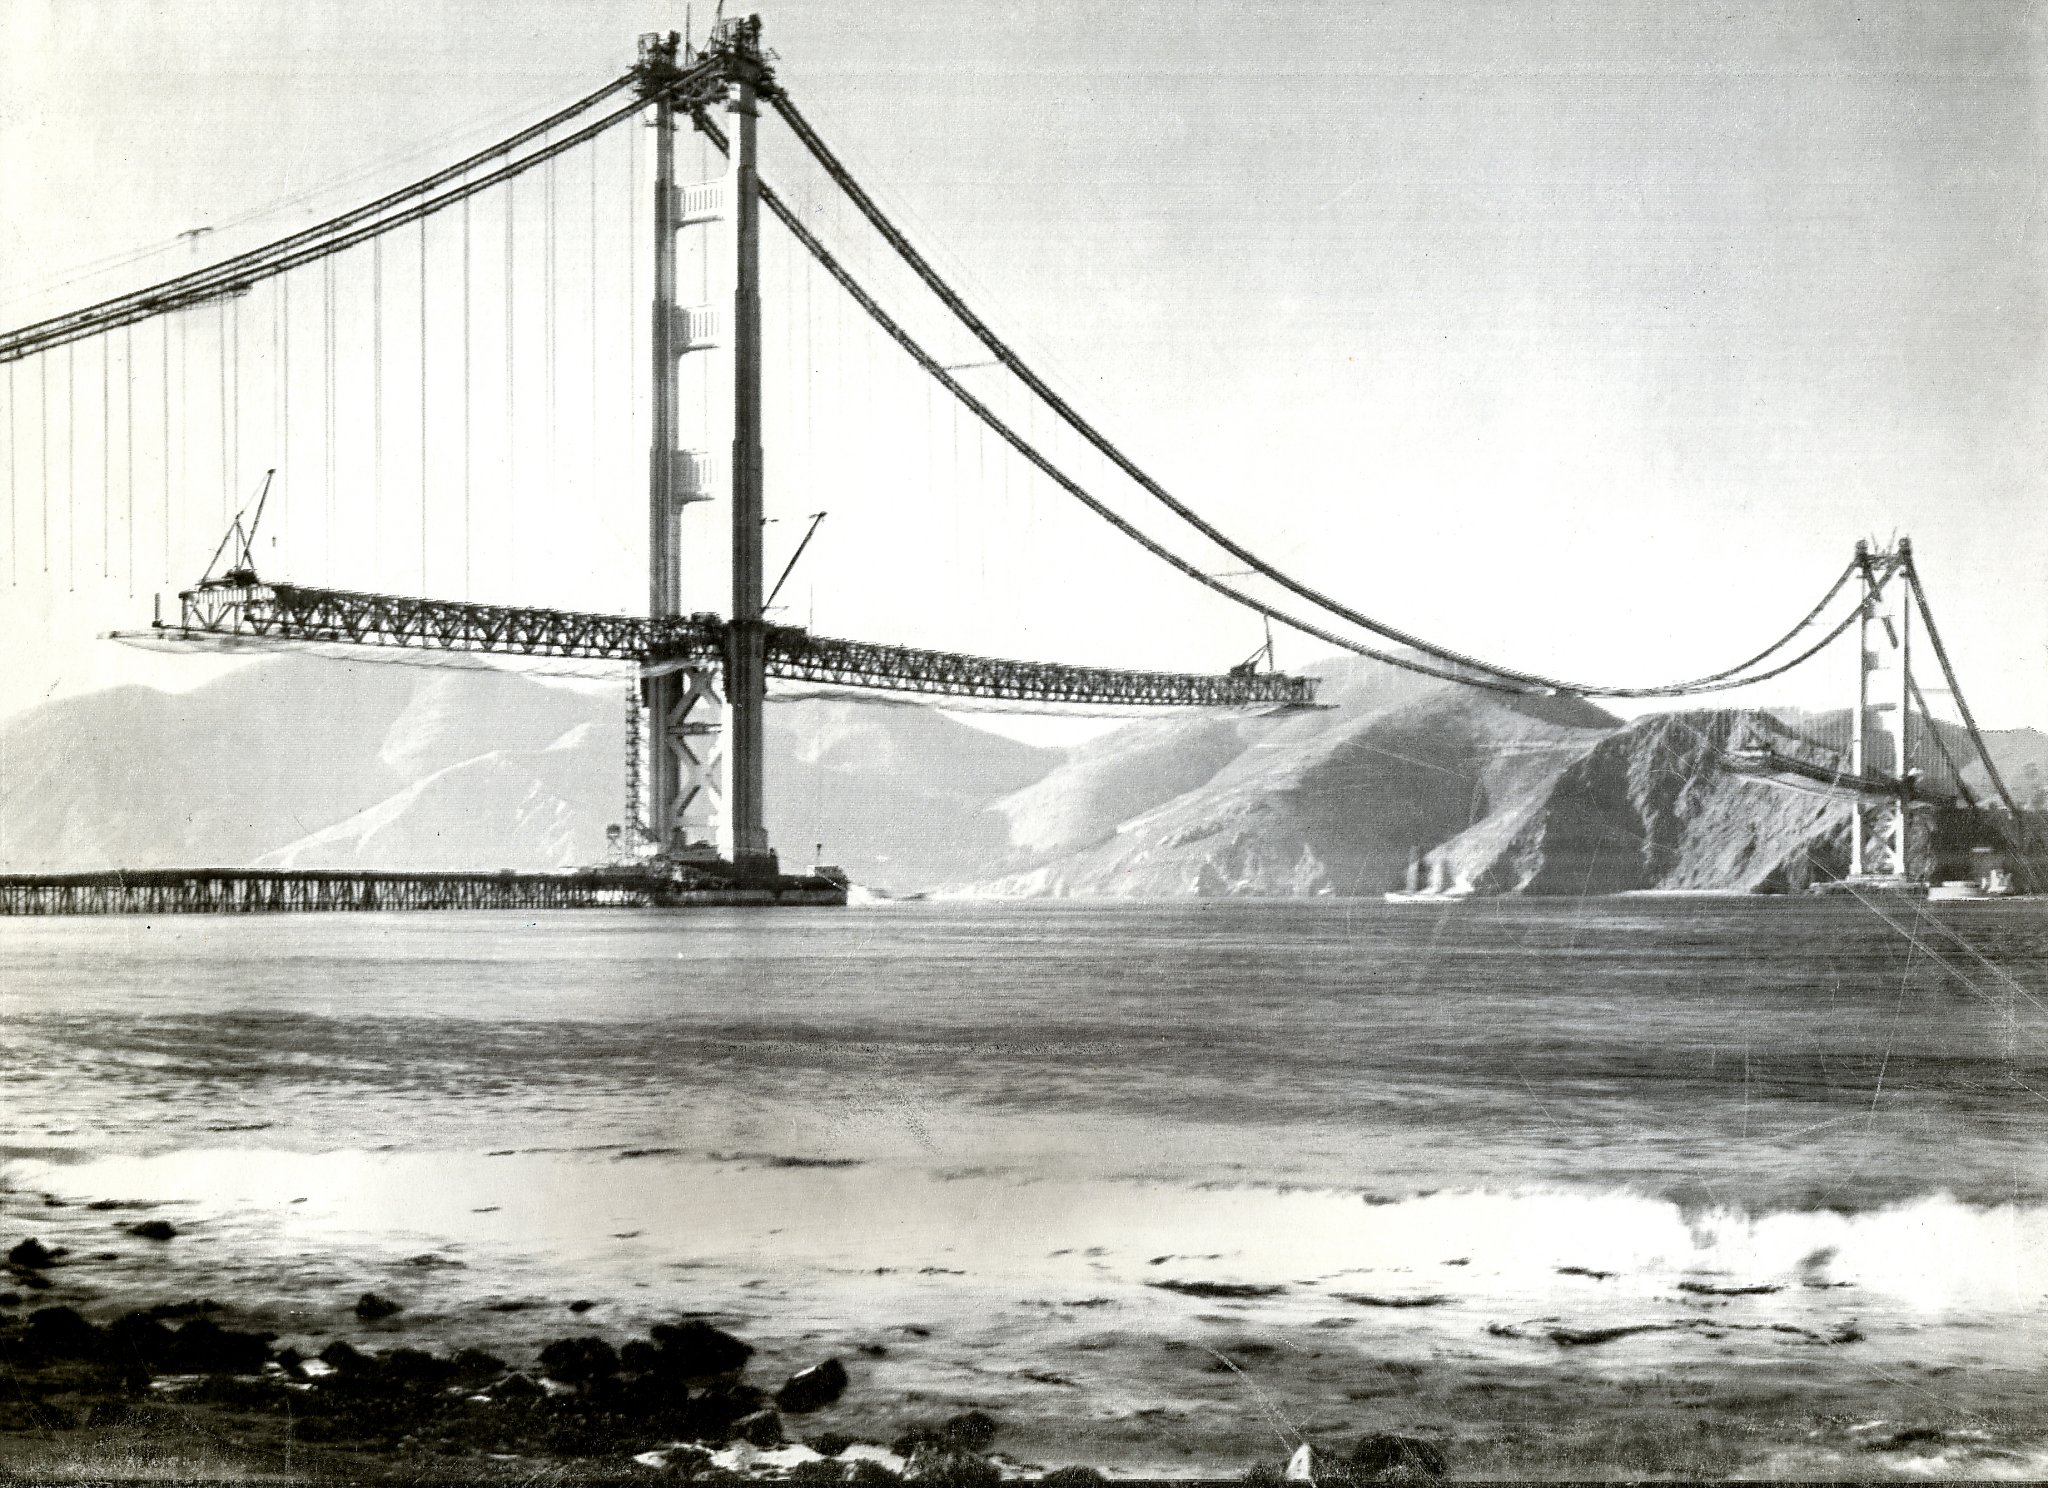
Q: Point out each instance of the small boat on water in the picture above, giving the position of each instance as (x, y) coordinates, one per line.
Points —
(1438, 892)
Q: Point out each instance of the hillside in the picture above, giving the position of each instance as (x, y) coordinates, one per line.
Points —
(1503, 794)
(1323, 802)
(313, 762)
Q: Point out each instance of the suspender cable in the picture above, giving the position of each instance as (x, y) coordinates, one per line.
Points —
(423, 405)
(547, 322)
(284, 377)
(71, 467)
(376, 397)
(466, 444)
(271, 258)
(221, 341)
(327, 319)
(165, 390)
(511, 378)
(106, 450)
(13, 485)
(632, 244)
(234, 490)
(128, 447)
(43, 461)
(596, 158)
(1009, 358)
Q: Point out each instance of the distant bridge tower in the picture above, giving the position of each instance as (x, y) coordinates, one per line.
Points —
(706, 724)
(1884, 649)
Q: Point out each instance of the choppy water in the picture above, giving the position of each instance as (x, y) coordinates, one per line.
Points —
(1763, 1054)
(1787, 1140)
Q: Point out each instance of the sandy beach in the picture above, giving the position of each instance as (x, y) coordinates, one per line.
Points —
(1531, 1335)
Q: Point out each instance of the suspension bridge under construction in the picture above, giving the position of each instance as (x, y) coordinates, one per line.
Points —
(293, 335)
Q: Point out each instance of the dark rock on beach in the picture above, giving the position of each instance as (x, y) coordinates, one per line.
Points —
(812, 1389)
(59, 1333)
(203, 1346)
(370, 1307)
(31, 1254)
(696, 1350)
(763, 1428)
(154, 1229)
(576, 1360)
(138, 1342)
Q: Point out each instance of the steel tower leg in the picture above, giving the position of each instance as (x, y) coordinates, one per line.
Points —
(661, 692)
(1859, 717)
(745, 840)
(1902, 609)
(683, 771)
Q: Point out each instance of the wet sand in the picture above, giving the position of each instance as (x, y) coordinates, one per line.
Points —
(1531, 1334)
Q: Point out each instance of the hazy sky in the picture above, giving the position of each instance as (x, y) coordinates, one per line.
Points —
(1585, 336)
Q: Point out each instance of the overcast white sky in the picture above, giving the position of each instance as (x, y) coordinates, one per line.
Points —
(1586, 336)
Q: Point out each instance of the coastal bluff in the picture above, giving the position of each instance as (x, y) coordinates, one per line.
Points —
(300, 762)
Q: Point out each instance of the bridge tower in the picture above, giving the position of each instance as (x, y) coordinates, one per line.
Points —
(706, 725)
(1884, 648)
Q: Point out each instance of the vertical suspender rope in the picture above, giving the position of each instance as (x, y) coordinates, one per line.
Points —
(283, 459)
(128, 447)
(327, 395)
(43, 460)
(106, 449)
(13, 485)
(423, 405)
(547, 322)
(234, 491)
(511, 384)
(632, 242)
(590, 455)
(165, 390)
(377, 397)
(71, 466)
(220, 308)
(466, 446)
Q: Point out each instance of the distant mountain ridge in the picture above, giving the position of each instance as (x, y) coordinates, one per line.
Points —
(313, 762)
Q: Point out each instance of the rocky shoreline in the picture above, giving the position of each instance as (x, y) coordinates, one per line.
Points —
(182, 1390)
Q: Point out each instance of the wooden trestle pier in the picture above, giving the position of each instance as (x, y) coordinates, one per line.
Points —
(317, 890)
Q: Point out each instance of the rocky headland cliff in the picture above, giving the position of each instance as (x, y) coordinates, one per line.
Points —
(316, 763)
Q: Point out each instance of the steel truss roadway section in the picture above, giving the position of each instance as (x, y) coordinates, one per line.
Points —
(290, 613)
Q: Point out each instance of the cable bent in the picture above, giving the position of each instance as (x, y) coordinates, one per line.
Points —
(1535, 682)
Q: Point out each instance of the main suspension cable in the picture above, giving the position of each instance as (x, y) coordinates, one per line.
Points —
(844, 179)
(1488, 680)
(259, 263)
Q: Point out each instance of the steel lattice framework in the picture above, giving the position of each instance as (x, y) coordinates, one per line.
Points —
(297, 614)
